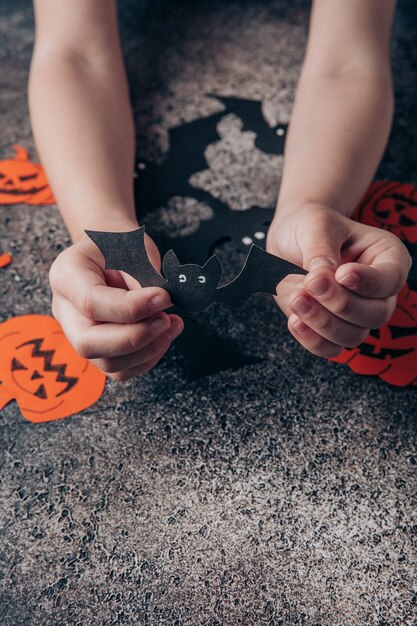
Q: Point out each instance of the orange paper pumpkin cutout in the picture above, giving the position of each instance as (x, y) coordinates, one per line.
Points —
(22, 181)
(41, 370)
(391, 206)
(5, 259)
(391, 351)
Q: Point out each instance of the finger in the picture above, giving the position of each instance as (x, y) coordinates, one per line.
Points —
(108, 304)
(136, 371)
(325, 323)
(312, 341)
(363, 312)
(107, 340)
(383, 278)
(151, 351)
(284, 290)
(111, 340)
(86, 289)
(321, 243)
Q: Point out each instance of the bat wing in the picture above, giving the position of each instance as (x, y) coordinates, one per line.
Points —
(126, 252)
(261, 273)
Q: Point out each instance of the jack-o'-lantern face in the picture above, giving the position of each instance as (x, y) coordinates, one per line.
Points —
(41, 370)
(391, 351)
(22, 181)
(391, 206)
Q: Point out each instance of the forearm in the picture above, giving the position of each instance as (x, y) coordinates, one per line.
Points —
(338, 132)
(84, 132)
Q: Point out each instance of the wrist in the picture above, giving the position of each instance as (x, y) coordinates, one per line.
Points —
(285, 212)
(112, 222)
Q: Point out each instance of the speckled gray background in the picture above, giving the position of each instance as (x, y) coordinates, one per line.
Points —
(282, 493)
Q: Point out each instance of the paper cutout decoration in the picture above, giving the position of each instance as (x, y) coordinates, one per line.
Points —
(192, 287)
(5, 259)
(242, 228)
(391, 206)
(204, 353)
(22, 181)
(155, 184)
(391, 351)
(41, 370)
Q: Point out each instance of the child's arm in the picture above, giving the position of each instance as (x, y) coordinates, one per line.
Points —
(83, 127)
(339, 128)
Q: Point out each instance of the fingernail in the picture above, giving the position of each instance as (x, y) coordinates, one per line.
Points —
(300, 328)
(319, 286)
(302, 305)
(351, 281)
(158, 303)
(159, 326)
(322, 261)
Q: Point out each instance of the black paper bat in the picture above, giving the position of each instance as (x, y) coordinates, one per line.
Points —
(192, 287)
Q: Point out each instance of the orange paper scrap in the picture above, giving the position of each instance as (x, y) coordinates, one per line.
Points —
(5, 259)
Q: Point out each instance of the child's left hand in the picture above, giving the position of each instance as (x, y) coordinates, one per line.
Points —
(355, 273)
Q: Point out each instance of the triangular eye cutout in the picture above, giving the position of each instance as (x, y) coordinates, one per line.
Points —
(41, 392)
(36, 375)
(17, 365)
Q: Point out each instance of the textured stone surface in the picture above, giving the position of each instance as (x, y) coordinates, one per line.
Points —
(279, 494)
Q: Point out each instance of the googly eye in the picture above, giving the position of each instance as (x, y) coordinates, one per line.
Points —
(201, 279)
(259, 235)
(247, 241)
(182, 278)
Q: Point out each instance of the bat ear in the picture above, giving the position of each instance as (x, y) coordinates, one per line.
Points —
(170, 264)
(213, 267)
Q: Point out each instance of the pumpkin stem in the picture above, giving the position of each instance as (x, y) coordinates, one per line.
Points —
(21, 153)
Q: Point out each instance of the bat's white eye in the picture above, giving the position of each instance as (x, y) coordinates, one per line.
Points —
(201, 279)
(259, 235)
(247, 241)
(182, 278)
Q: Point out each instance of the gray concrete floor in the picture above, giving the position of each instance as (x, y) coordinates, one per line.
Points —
(282, 493)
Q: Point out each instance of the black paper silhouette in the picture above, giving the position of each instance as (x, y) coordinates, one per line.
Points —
(242, 228)
(155, 184)
(204, 353)
(192, 287)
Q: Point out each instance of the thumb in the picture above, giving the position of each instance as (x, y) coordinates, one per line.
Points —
(320, 246)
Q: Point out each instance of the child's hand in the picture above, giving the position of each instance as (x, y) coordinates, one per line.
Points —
(355, 272)
(107, 316)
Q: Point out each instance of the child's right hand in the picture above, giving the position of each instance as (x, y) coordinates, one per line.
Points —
(107, 316)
